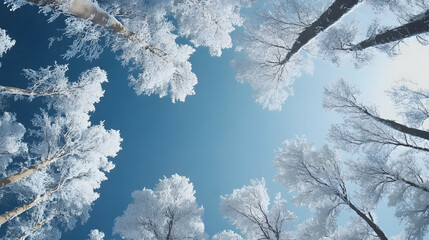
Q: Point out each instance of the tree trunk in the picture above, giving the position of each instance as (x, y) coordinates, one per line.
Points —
(337, 9)
(30, 170)
(17, 211)
(20, 91)
(86, 9)
(415, 27)
(369, 221)
(401, 128)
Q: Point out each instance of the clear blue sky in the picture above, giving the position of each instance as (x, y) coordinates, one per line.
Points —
(219, 138)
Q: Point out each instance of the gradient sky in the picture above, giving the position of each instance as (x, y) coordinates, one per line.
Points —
(219, 138)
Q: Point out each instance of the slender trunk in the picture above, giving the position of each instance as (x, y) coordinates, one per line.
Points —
(401, 128)
(21, 209)
(369, 221)
(20, 91)
(338, 9)
(29, 171)
(170, 228)
(415, 27)
(86, 9)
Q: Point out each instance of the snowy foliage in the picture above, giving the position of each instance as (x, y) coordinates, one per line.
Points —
(5, 42)
(96, 235)
(334, 45)
(67, 185)
(248, 209)
(66, 97)
(11, 144)
(208, 22)
(67, 158)
(314, 174)
(413, 102)
(268, 40)
(363, 128)
(170, 211)
(87, 42)
(395, 163)
(402, 181)
(227, 235)
(319, 179)
(146, 38)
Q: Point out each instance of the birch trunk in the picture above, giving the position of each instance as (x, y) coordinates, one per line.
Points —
(20, 91)
(21, 209)
(413, 28)
(86, 9)
(337, 10)
(30, 170)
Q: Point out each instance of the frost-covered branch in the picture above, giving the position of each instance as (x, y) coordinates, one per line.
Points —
(247, 208)
(317, 177)
(342, 98)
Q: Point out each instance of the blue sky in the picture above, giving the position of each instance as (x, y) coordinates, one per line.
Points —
(219, 138)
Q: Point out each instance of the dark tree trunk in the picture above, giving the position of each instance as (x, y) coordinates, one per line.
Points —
(402, 128)
(337, 9)
(370, 222)
(415, 27)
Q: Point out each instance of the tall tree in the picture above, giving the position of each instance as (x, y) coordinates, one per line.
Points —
(146, 36)
(63, 136)
(279, 46)
(247, 208)
(273, 42)
(413, 19)
(168, 212)
(62, 193)
(395, 159)
(317, 177)
(52, 185)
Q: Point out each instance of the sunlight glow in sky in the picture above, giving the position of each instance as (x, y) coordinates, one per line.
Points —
(219, 138)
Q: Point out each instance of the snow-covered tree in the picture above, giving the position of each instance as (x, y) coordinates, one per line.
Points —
(395, 159)
(402, 180)
(63, 135)
(280, 44)
(170, 211)
(319, 180)
(144, 36)
(53, 182)
(5, 43)
(71, 162)
(248, 209)
(413, 19)
(275, 39)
